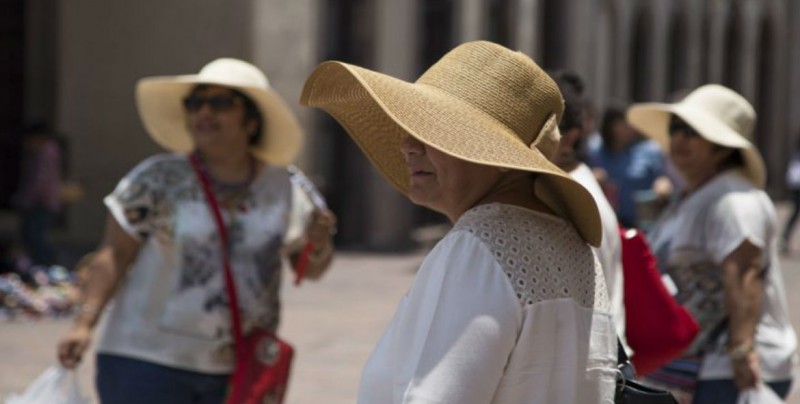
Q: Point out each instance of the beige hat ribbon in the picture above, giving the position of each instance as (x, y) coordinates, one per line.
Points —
(548, 138)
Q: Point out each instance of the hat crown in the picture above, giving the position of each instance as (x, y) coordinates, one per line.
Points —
(233, 72)
(726, 105)
(507, 86)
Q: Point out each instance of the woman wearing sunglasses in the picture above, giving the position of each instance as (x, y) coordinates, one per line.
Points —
(167, 336)
(718, 242)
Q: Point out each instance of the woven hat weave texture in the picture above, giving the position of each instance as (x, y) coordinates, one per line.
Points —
(481, 103)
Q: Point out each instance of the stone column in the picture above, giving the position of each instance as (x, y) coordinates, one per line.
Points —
(719, 14)
(659, 56)
(528, 28)
(283, 42)
(471, 20)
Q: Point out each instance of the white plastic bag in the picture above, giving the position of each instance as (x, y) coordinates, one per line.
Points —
(55, 386)
(759, 395)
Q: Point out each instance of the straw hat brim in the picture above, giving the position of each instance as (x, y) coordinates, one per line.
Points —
(652, 119)
(378, 111)
(159, 101)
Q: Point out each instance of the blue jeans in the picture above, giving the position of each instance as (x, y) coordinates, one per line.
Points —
(724, 391)
(123, 380)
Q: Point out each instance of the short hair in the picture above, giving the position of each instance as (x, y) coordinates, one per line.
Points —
(571, 87)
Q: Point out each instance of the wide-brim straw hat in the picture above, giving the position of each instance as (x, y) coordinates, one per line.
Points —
(480, 103)
(160, 104)
(717, 113)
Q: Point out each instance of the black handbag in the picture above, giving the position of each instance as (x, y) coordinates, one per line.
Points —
(629, 391)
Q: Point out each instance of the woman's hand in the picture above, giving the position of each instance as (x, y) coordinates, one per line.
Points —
(102, 274)
(321, 227)
(73, 345)
(746, 371)
(319, 232)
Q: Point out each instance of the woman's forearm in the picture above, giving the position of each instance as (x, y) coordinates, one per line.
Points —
(743, 282)
(102, 278)
(105, 271)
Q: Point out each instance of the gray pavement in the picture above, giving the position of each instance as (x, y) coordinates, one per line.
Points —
(333, 325)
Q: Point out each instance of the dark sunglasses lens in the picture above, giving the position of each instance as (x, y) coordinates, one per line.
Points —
(684, 128)
(220, 103)
(193, 103)
(217, 103)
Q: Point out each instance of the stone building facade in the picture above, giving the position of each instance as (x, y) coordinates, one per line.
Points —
(78, 62)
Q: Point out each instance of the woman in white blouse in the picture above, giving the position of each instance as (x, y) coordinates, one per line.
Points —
(166, 337)
(718, 242)
(511, 306)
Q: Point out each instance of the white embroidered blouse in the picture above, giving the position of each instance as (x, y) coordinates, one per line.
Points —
(510, 307)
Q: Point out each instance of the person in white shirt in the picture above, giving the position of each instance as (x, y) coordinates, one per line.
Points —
(719, 242)
(511, 305)
(569, 157)
(166, 336)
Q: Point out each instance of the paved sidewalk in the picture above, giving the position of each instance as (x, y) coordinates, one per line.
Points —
(333, 325)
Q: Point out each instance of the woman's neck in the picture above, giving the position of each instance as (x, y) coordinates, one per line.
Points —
(227, 167)
(516, 188)
(698, 181)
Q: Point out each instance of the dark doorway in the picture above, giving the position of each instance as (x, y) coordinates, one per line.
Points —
(12, 66)
(554, 41)
(347, 35)
(641, 48)
(765, 136)
(732, 75)
(678, 65)
(500, 29)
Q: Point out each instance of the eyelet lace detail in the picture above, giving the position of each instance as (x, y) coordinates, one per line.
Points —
(543, 256)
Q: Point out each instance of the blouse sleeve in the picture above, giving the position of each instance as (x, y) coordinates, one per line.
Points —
(472, 331)
(300, 210)
(736, 217)
(137, 200)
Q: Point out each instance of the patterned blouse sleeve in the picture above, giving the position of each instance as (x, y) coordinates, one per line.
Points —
(135, 202)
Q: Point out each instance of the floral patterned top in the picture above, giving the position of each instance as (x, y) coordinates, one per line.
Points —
(693, 238)
(172, 308)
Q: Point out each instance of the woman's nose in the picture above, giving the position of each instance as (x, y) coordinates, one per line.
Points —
(411, 146)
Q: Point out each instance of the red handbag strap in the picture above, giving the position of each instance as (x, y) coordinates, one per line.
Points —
(230, 286)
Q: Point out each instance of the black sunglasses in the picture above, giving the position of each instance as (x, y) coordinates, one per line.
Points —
(682, 127)
(218, 103)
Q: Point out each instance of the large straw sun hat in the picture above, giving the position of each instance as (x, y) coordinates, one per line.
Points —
(480, 103)
(717, 113)
(159, 100)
